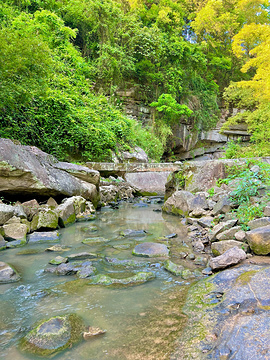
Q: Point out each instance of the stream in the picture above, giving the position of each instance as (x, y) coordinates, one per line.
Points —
(141, 322)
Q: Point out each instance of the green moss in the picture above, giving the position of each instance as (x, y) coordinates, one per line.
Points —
(246, 277)
(106, 280)
(173, 268)
(30, 252)
(51, 336)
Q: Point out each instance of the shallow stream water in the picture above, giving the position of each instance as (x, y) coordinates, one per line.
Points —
(141, 322)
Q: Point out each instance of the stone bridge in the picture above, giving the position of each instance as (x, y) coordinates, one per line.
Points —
(149, 178)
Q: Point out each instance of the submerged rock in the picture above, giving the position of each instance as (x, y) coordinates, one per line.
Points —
(173, 268)
(82, 256)
(38, 237)
(93, 331)
(150, 249)
(138, 278)
(124, 263)
(133, 233)
(95, 240)
(53, 335)
(7, 273)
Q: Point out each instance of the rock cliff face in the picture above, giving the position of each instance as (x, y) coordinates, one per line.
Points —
(26, 171)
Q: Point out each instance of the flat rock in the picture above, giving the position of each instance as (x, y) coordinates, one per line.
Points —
(267, 210)
(219, 248)
(124, 263)
(257, 223)
(7, 273)
(53, 335)
(82, 256)
(38, 237)
(138, 278)
(228, 316)
(220, 227)
(230, 257)
(95, 240)
(34, 172)
(150, 249)
(228, 234)
(133, 233)
(259, 240)
(206, 221)
(58, 260)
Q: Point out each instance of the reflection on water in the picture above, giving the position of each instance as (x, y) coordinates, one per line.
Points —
(142, 322)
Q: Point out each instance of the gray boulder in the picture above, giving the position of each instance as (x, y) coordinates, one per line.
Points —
(53, 335)
(45, 219)
(230, 257)
(179, 203)
(26, 170)
(259, 240)
(39, 237)
(150, 249)
(219, 248)
(66, 212)
(257, 223)
(15, 231)
(225, 225)
(228, 234)
(7, 274)
(137, 156)
(222, 206)
(6, 212)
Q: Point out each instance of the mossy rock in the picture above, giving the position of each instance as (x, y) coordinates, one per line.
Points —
(136, 279)
(173, 268)
(95, 240)
(51, 336)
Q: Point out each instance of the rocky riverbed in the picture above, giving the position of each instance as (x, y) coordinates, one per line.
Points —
(139, 278)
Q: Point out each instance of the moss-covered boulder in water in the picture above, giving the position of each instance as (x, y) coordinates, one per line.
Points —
(95, 240)
(150, 249)
(53, 335)
(45, 219)
(139, 278)
(173, 268)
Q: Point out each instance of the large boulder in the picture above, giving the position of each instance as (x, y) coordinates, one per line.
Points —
(15, 231)
(230, 257)
(227, 316)
(219, 248)
(179, 203)
(26, 170)
(6, 212)
(137, 156)
(149, 249)
(45, 219)
(53, 335)
(149, 182)
(259, 240)
(66, 212)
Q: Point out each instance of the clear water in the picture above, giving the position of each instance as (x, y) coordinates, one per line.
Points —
(142, 322)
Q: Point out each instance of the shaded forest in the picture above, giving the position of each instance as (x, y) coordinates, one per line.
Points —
(62, 63)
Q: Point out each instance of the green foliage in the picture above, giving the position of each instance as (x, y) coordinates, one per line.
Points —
(247, 185)
(170, 109)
